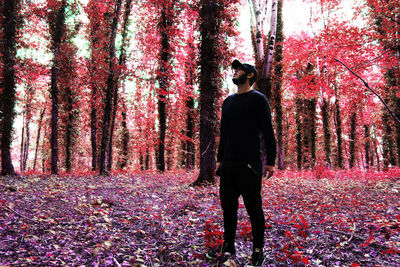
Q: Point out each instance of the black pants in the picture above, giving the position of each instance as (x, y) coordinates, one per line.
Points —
(242, 179)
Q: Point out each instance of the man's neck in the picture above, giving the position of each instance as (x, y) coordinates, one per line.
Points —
(243, 88)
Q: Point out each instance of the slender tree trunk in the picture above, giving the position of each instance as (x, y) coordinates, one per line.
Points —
(353, 125)
(56, 38)
(121, 63)
(388, 157)
(397, 99)
(265, 81)
(367, 146)
(38, 136)
(190, 149)
(109, 92)
(376, 153)
(257, 9)
(190, 67)
(27, 140)
(125, 139)
(44, 151)
(93, 127)
(9, 10)
(165, 24)
(278, 85)
(299, 130)
(327, 131)
(209, 91)
(68, 133)
(339, 135)
(21, 154)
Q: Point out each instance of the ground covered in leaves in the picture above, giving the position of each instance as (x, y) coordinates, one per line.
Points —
(316, 219)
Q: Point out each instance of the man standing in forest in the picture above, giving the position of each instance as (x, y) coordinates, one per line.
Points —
(245, 117)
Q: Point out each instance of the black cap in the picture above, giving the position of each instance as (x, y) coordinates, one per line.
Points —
(236, 64)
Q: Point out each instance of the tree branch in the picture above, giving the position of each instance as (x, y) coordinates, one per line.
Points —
(366, 84)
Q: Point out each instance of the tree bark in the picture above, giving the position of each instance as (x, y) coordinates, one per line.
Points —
(299, 138)
(339, 134)
(10, 10)
(21, 154)
(310, 130)
(109, 91)
(278, 69)
(69, 133)
(353, 126)
(190, 68)
(56, 42)
(38, 136)
(125, 139)
(367, 145)
(209, 90)
(327, 131)
(165, 24)
(265, 81)
(257, 9)
(121, 63)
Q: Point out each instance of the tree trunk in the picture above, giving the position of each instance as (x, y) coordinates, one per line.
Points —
(339, 135)
(165, 24)
(327, 131)
(125, 139)
(56, 40)
(265, 81)
(299, 130)
(21, 154)
(397, 99)
(121, 63)
(257, 9)
(38, 136)
(309, 133)
(388, 157)
(190, 149)
(367, 145)
(69, 133)
(10, 10)
(109, 91)
(27, 140)
(209, 90)
(353, 125)
(278, 85)
(44, 151)
(190, 69)
(93, 126)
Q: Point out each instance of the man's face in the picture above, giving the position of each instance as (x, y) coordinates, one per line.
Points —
(239, 76)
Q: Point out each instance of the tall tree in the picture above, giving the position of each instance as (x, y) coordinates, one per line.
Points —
(121, 65)
(164, 74)
(57, 27)
(213, 50)
(109, 90)
(278, 72)
(190, 68)
(9, 24)
(353, 129)
(327, 131)
(264, 83)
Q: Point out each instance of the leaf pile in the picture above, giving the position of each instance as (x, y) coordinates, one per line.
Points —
(159, 220)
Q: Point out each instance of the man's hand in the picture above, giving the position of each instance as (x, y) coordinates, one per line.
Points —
(269, 171)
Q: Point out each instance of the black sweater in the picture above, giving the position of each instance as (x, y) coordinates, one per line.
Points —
(245, 117)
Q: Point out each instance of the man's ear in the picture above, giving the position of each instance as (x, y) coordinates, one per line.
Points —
(250, 75)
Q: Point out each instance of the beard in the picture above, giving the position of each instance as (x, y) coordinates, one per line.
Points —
(240, 80)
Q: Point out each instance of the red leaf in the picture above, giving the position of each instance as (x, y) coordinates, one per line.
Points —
(305, 260)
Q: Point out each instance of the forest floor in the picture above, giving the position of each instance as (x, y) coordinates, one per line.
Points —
(337, 219)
